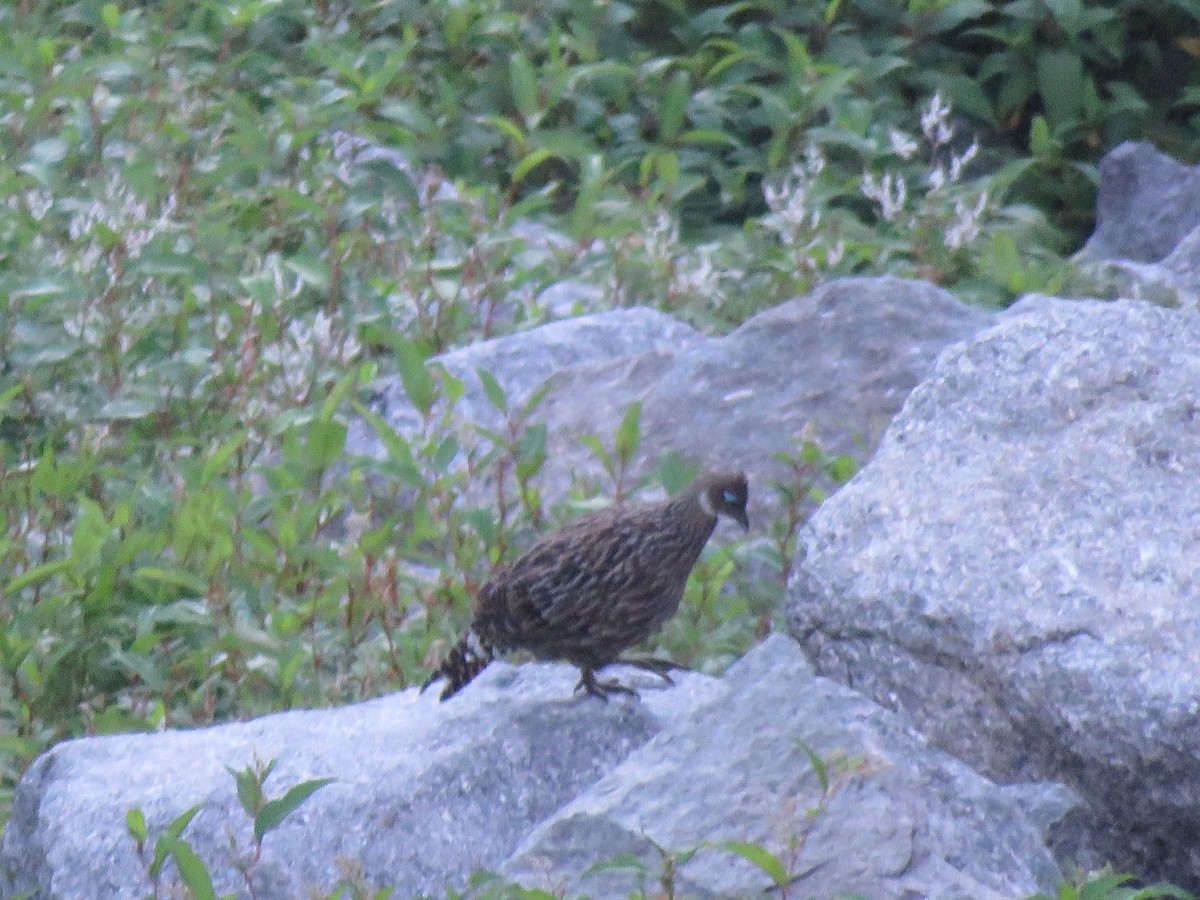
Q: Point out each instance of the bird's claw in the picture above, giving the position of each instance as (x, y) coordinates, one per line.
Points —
(602, 689)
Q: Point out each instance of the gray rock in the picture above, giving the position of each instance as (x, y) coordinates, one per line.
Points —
(516, 775)
(425, 793)
(1062, 817)
(901, 820)
(837, 362)
(1175, 281)
(1147, 204)
(1183, 266)
(841, 359)
(524, 361)
(1015, 569)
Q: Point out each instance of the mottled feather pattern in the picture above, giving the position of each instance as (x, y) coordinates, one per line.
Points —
(598, 586)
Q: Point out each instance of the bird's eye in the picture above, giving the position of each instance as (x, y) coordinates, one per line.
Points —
(729, 497)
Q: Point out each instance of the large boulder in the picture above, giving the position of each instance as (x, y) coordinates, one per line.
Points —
(1015, 570)
(514, 774)
(1147, 203)
(896, 818)
(835, 364)
(425, 792)
(1147, 233)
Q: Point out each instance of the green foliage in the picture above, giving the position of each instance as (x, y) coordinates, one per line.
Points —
(193, 873)
(1104, 884)
(269, 814)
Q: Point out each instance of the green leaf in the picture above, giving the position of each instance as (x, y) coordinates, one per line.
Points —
(536, 398)
(761, 857)
(39, 574)
(192, 870)
(963, 92)
(674, 104)
(1061, 84)
(399, 451)
(164, 845)
(508, 128)
(445, 452)
(135, 824)
(275, 811)
(414, 375)
(311, 270)
(326, 441)
(1041, 144)
(629, 433)
(180, 822)
(1068, 14)
(818, 765)
(593, 179)
(219, 458)
(704, 136)
(110, 15)
(622, 862)
(180, 578)
(453, 388)
(531, 161)
(531, 450)
(594, 444)
(524, 83)
(338, 393)
(492, 390)
(1103, 886)
(842, 468)
(483, 521)
(1160, 890)
(249, 789)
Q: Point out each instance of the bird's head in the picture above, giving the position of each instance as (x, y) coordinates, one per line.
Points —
(726, 494)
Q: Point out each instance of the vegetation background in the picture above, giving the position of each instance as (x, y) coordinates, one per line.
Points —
(223, 220)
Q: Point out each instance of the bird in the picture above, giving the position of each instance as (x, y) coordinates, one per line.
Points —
(596, 587)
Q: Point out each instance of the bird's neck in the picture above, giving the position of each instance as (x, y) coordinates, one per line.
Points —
(694, 511)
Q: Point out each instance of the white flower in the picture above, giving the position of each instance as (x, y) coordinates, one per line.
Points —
(959, 162)
(965, 227)
(890, 192)
(664, 238)
(814, 159)
(902, 145)
(788, 199)
(934, 122)
(39, 203)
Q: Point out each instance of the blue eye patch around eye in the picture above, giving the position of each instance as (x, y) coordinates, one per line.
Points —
(729, 497)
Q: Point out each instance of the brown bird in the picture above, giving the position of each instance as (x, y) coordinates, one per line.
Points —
(596, 587)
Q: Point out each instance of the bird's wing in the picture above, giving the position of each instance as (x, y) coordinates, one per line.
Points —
(566, 584)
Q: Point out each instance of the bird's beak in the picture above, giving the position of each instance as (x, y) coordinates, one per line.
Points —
(743, 520)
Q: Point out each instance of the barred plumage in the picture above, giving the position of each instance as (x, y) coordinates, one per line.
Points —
(596, 587)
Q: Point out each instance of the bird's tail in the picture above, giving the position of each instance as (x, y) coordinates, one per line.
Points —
(469, 657)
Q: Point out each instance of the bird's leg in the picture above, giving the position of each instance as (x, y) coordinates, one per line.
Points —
(659, 667)
(589, 685)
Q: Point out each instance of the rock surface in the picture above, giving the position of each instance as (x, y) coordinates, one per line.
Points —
(1147, 238)
(1147, 203)
(426, 792)
(841, 359)
(1015, 570)
(515, 774)
(901, 820)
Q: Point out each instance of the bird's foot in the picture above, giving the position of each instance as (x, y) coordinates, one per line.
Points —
(660, 667)
(602, 689)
